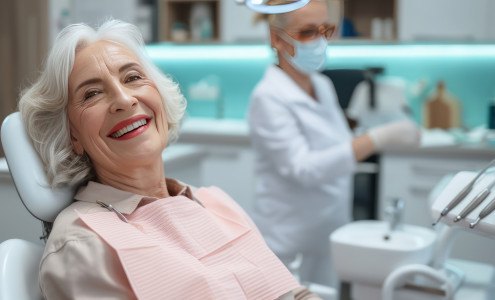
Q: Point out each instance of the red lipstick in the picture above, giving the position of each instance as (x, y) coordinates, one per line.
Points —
(121, 131)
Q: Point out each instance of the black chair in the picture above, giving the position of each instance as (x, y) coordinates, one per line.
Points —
(365, 182)
(345, 81)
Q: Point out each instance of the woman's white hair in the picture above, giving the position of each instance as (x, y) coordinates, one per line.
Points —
(43, 106)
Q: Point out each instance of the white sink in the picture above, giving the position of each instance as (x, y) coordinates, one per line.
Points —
(362, 254)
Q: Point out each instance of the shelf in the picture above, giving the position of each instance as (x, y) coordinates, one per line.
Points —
(362, 13)
(176, 22)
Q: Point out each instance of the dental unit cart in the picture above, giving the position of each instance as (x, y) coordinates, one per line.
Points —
(412, 262)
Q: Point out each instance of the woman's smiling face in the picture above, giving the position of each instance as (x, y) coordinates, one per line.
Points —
(115, 111)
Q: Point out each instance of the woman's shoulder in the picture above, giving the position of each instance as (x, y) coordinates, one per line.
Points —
(273, 82)
(69, 227)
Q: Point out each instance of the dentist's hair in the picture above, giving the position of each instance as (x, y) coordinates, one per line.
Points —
(43, 106)
(277, 20)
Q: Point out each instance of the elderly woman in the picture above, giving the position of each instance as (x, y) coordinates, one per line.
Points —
(306, 153)
(100, 115)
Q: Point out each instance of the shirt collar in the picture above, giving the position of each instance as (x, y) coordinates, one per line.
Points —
(126, 202)
(290, 88)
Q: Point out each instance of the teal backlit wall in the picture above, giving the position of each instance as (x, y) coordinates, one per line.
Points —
(468, 70)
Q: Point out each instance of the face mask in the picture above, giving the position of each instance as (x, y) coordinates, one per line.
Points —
(309, 57)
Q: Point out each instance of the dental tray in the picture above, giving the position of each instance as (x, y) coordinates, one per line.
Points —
(486, 226)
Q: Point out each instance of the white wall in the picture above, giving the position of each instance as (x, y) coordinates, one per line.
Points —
(490, 16)
(237, 24)
(92, 12)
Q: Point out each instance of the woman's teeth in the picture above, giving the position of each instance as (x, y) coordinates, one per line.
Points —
(128, 128)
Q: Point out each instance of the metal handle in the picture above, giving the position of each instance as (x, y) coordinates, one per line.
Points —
(485, 212)
(471, 206)
(488, 209)
(457, 199)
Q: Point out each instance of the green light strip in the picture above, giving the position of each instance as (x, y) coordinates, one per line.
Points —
(412, 51)
(250, 52)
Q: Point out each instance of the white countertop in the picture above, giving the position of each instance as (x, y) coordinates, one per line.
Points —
(236, 131)
(214, 131)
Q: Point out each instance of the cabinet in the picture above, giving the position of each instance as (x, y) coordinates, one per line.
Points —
(425, 20)
(412, 177)
(445, 19)
(189, 20)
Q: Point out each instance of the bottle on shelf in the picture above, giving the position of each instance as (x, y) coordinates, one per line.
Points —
(201, 22)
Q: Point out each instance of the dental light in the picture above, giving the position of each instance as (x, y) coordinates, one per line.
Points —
(261, 6)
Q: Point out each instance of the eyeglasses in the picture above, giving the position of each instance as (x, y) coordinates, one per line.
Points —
(311, 32)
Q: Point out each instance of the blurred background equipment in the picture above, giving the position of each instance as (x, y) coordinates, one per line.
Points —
(441, 109)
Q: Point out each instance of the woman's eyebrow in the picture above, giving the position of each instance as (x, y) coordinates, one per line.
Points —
(86, 82)
(128, 66)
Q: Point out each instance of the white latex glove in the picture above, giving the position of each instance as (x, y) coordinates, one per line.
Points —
(399, 134)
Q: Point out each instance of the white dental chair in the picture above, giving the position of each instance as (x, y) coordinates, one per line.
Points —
(19, 259)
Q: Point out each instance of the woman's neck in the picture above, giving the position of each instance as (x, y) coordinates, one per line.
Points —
(301, 79)
(146, 180)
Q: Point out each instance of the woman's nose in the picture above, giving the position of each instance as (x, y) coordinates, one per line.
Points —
(122, 99)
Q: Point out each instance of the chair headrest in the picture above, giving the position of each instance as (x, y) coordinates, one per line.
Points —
(28, 173)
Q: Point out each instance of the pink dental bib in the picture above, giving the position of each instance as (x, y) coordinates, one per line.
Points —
(174, 248)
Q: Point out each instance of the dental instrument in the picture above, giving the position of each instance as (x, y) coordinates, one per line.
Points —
(485, 212)
(458, 198)
(476, 201)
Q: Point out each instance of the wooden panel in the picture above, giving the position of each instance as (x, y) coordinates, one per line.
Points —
(23, 46)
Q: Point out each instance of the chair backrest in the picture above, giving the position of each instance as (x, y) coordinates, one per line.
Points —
(28, 172)
(345, 81)
(19, 261)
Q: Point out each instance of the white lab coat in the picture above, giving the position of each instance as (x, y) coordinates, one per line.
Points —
(304, 163)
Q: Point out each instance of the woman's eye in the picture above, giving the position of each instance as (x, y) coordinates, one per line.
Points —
(307, 33)
(133, 78)
(90, 94)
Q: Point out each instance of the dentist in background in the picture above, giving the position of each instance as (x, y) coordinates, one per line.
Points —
(305, 152)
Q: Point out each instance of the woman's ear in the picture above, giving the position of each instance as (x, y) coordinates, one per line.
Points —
(280, 44)
(274, 39)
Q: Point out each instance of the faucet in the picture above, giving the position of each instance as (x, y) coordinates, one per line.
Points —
(393, 212)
